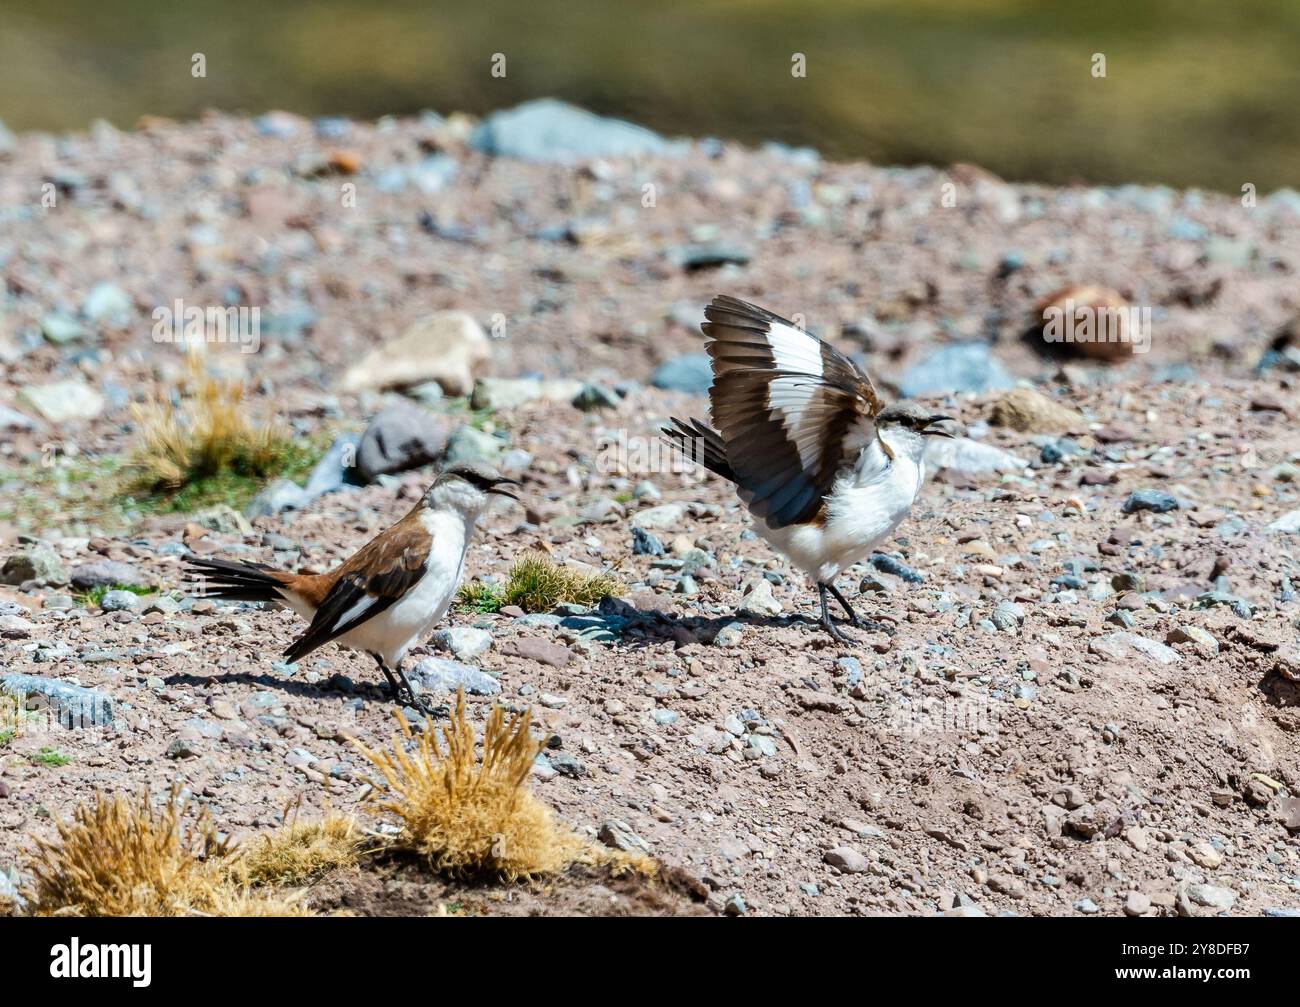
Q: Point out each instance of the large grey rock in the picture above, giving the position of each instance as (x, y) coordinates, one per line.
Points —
(554, 131)
(11, 419)
(107, 573)
(964, 367)
(400, 437)
(437, 674)
(72, 705)
(40, 562)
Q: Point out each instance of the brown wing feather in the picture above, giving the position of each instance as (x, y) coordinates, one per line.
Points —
(383, 570)
(791, 409)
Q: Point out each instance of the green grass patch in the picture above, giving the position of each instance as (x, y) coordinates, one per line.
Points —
(50, 757)
(8, 735)
(479, 596)
(537, 583)
(94, 598)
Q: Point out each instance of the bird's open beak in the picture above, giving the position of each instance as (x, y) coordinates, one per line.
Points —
(496, 488)
(931, 430)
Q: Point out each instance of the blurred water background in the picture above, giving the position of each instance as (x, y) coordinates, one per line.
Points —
(1196, 93)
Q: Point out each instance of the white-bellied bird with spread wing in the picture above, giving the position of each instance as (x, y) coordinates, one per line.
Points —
(825, 468)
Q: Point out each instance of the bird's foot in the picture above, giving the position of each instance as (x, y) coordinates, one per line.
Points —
(836, 633)
(407, 699)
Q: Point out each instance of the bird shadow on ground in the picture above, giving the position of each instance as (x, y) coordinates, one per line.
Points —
(309, 690)
(647, 627)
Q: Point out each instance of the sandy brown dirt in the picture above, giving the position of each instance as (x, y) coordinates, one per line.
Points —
(1002, 751)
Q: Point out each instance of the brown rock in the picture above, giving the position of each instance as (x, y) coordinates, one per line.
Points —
(1100, 326)
(1029, 411)
(536, 649)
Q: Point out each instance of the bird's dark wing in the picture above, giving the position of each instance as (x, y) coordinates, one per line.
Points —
(791, 409)
(372, 580)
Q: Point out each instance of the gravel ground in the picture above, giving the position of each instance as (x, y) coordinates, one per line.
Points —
(1089, 703)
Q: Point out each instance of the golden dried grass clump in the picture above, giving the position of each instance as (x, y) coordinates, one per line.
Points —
(469, 816)
(120, 857)
(536, 583)
(209, 434)
(301, 852)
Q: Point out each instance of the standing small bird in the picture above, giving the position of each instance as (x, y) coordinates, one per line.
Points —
(390, 593)
(825, 469)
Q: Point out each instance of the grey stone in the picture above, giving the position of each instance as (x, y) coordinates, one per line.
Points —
(72, 705)
(618, 835)
(334, 470)
(465, 642)
(567, 765)
(691, 373)
(1122, 645)
(119, 601)
(280, 495)
(847, 859)
(964, 367)
(400, 437)
(961, 454)
(469, 444)
(39, 562)
(554, 131)
(1152, 500)
(592, 397)
(11, 419)
(107, 304)
(61, 330)
(645, 543)
(436, 674)
(1212, 896)
(107, 573)
(757, 599)
(63, 401)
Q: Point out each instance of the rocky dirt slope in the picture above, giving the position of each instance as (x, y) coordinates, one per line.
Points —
(1091, 699)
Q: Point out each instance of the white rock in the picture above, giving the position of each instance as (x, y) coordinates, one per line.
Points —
(446, 347)
(758, 599)
(663, 516)
(62, 401)
(1121, 646)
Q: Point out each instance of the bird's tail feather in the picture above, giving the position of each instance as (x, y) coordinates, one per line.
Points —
(700, 443)
(221, 578)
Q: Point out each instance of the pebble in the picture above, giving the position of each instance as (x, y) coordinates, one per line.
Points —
(691, 373)
(534, 648)
(120, 601)
(847, 859)
(1136, 904)
(400, 437)
(465, 642)
(618, 835)
(758, 600)
(1150, 500)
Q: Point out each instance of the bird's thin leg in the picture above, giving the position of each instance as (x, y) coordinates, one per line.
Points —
(394, 690)
(828, 623)
(406, 697)
(854, 618)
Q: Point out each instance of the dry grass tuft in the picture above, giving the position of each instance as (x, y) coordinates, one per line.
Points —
(536, 583)
(469, 816)
(301, 852)
(208, 435)
(119, 857)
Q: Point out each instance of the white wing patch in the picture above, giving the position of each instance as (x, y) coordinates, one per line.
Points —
(793, 350)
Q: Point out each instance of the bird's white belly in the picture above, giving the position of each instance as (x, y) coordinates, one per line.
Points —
(861, 512)
(406, 622)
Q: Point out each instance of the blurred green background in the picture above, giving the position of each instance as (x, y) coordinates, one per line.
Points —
(1197, 92)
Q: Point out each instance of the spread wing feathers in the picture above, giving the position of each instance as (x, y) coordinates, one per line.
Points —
(790, 409)
(700, 443)
(371, 581)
